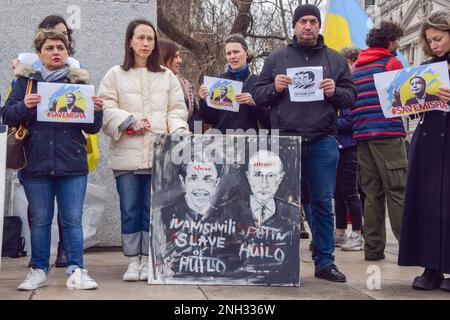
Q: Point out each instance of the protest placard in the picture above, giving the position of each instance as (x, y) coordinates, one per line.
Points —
(62, 102)
(226, 222)
(223, 93)
(413, 90)
(305, 84)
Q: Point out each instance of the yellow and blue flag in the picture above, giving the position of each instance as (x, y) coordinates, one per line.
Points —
(347, 24)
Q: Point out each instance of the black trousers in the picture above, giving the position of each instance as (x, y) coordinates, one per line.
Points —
(346, 194)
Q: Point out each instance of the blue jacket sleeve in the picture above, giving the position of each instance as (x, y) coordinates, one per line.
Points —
(95, 127)
(14, 112)
(345, 121)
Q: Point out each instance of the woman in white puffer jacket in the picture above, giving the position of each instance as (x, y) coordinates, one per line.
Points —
(141, 99)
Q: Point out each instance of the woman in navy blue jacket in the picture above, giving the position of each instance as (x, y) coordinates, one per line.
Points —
(56, 162)
(346, 195)
(250, 116)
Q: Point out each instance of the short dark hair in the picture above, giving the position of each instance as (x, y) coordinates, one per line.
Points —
(153, 62)
(50, 22)
(44, 35)
(239, 38)
(167, 51)
(350, 53)
(310, 75)
(420, 78)
(380, 36)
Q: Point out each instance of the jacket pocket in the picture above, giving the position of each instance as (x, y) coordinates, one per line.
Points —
(396, 174)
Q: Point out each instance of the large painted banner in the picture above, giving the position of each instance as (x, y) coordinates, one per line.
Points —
(413, 90)
(224, 211)
(3, 136)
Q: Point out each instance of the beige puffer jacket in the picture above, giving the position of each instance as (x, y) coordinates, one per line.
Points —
(157, 97)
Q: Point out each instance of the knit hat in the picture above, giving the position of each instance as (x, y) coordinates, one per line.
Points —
(306, 10)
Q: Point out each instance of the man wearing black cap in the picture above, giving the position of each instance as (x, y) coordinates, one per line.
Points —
(314, 121)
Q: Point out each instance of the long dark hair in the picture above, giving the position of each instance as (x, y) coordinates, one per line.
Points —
(153, 62)
(167, 51)
(50, 22)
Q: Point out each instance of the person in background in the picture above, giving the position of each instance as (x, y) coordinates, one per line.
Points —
(142, 99)
(56, 162)
(171, 59)
(425, 238)
(346, 194)
(250, 115)
(380, 141)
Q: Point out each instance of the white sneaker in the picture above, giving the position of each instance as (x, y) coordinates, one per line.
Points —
(339, 240)
(354, 243)
(133, 272)
(79, 279)
(36, 278)
(143, 276)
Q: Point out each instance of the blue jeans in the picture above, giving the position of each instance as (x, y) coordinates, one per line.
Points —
(69, 192)
(319, 166)
(134, 194)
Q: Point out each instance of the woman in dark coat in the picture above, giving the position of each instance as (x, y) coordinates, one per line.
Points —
(425, 234)
(250, 116)
(56, 161)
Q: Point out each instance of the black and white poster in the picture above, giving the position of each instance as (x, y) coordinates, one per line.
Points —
(224, 210)
(305, 84)
(3, 137)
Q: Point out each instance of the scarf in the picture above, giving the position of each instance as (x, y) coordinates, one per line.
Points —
(238, 74)
(50, 76)
(188, 94)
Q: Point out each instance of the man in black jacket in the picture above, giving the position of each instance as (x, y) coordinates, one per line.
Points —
(314, 121)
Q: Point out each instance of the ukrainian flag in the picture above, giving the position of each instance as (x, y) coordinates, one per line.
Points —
(347, 24)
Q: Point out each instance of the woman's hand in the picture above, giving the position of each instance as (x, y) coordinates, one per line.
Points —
(98, 103)
(203, 92)
(142, 125)
(32, 100)
(245, 98)
(444, 94)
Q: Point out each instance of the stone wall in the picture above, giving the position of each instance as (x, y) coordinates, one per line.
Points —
(99, 32)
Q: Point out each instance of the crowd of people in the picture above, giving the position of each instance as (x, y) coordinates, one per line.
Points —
(351, 153)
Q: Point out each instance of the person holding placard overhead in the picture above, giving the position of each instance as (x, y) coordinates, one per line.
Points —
(142, 99)
(56, 162)
(250, 116)
(425, 236)
(314, 121)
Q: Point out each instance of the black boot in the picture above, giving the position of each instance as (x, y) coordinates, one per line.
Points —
(429, 280)
(61, 260)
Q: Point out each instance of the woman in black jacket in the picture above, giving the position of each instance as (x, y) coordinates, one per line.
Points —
(425, 233)
(250, 116)
(56, 161)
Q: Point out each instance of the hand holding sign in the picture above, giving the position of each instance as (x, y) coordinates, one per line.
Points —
(245, 98)
(329, 87)
(32, 100)
(98, 104)
(282, 82)
(444, 94)
(203, 92)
